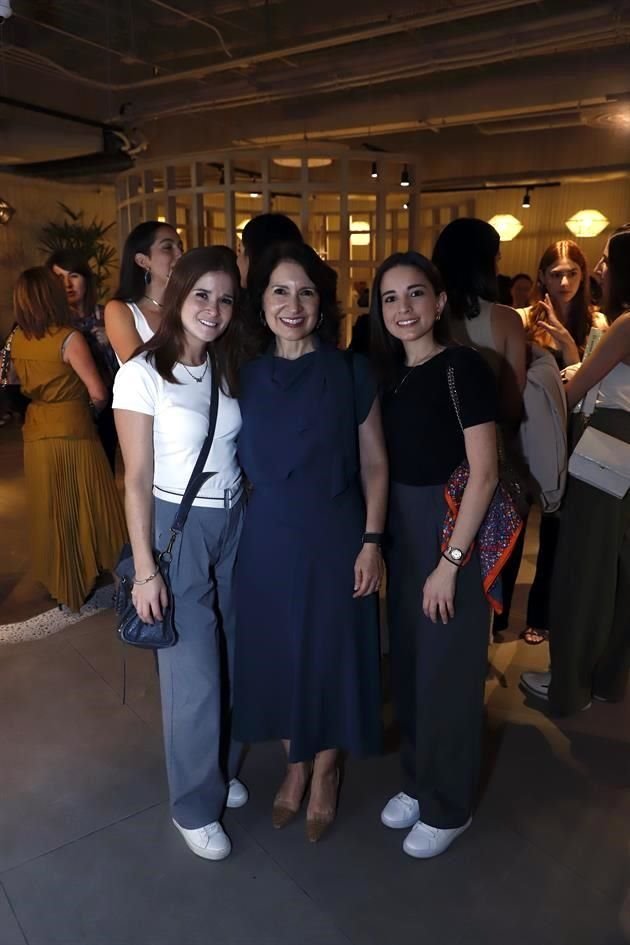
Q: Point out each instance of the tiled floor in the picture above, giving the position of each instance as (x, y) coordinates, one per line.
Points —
(88, 855)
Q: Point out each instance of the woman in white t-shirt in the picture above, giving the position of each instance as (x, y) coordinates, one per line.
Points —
(161, 405)
(135, 312)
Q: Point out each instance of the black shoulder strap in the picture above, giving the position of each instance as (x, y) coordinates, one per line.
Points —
(198, 476)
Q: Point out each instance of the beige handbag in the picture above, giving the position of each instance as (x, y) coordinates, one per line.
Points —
(602, 461)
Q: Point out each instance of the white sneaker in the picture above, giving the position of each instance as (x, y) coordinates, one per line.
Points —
(209, 842)
(537, 683)
(424, 841)
(238, 795)
(400, 811)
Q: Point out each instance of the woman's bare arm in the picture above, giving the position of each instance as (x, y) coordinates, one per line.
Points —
(121, 329)
(77, 354)
(135, 434)
(368, 567)
(613, 348)
(481, 453)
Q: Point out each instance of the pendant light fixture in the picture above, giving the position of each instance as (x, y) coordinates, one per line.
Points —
(374, 173)
(527, 200)
(404, 177)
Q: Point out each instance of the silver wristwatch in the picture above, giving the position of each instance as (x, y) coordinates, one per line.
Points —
(456, 555)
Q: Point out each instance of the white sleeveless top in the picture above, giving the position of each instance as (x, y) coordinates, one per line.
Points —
(614, 390)
(142, 326)
(477, 333)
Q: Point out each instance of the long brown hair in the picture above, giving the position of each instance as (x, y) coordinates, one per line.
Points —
(166, 346)
(39, 302)
(580, 317)
(387, 353)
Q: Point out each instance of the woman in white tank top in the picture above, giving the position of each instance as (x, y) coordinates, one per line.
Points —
(134, 314)
(590, 630)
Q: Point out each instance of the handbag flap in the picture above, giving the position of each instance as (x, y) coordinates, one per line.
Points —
(605, 450)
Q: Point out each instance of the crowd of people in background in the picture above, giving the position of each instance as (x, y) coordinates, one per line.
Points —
(409, 461)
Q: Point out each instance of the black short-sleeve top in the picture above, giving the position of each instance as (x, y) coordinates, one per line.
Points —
(424, 440)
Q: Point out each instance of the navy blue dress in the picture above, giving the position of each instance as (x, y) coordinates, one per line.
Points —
(307, 654)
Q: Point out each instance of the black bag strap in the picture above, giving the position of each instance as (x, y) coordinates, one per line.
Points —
(197, 476)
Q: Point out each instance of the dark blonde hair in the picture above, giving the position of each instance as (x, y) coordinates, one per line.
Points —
(39, 302)
(165, 348)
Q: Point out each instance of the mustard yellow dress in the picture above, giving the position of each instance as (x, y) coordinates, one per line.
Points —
(77, 521)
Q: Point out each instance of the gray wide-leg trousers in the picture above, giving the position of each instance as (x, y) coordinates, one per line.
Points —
(196, 673)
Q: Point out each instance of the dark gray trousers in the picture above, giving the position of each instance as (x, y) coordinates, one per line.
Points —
(196, 673)
(438, 670)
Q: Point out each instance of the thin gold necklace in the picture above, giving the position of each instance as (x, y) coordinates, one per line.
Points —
(155, 301)
(413, 366)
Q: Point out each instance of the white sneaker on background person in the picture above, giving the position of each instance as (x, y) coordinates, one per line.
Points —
(424, 841)
(400, 811)
(537, 683)
(209, 842)
(238, 795)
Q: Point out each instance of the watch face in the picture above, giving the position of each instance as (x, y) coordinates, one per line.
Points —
(455, 554)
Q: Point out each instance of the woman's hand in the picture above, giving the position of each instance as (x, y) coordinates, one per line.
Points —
(151, 599)
(438, 594)
(559, 333)
(368, 570)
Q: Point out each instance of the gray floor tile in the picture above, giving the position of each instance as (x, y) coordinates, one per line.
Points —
(136, 883)
(10, 932)
(74, 759)
(95, 639)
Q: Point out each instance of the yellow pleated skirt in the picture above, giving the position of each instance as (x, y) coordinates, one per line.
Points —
(77, 520)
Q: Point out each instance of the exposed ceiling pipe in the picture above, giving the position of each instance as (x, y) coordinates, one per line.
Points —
(580, 39)
(54, 113)
(523, 127)
(484, 121)
(538, 178)
(194, 19)
(391, 28)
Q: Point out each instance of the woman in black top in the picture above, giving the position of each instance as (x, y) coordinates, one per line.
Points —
(438, 615)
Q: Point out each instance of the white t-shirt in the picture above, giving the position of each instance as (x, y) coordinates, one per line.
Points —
(180, 424)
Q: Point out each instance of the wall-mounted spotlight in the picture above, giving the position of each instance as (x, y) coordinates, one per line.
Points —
(374, 173)
(527, 200)
(6, 212)
(404, 177)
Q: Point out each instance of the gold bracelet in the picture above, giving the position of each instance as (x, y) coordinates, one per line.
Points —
(150, 577)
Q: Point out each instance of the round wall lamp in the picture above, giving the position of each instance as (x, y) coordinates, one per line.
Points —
(506, 225)
(587, 223)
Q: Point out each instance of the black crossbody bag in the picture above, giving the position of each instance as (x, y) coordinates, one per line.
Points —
(161, 633)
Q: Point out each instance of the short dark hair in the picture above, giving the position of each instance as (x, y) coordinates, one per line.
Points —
(387, 352)
(131, 284)
(73, 261)
(266, 229)
(39, 302)
(521, 275)
(166, 345)
(618, 296)
(323, 277)
(465, 253)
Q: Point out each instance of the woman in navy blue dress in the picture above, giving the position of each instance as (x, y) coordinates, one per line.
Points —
(311, 444)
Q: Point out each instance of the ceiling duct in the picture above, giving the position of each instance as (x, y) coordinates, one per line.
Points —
(113, 159)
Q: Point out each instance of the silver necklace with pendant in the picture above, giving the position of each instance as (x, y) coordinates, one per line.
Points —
(194, 376)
